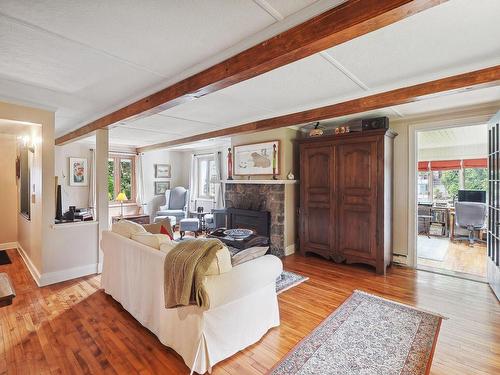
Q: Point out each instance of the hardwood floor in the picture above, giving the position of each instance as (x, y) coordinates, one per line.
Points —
(460, 257)
(75, 328)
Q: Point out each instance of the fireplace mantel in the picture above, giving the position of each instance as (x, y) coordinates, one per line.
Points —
(263, 182)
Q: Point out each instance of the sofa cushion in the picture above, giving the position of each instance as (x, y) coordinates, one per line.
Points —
(151, 240)
(127, 228)
(160, 226)
(221, 263)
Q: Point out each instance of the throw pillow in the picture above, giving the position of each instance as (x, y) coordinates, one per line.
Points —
(152, 228)
(221, 264)
(243, 256)
(164, 230)
(150, 239)
(127, 228)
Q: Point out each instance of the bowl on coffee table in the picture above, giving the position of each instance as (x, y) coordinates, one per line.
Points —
(238, 234)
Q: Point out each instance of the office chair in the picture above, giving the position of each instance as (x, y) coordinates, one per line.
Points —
(470, 216)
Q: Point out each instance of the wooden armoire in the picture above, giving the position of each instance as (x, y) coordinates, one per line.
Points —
(346, 197)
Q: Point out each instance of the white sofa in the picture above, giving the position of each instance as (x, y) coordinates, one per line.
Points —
(243, 302)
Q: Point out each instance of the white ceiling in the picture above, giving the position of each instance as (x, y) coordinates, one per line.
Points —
(85, 58)
(454, 137)
(15, 128)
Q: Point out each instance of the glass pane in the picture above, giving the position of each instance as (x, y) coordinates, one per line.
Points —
(476, 178)
(111, 179)
(203, 180)
(424, 183)
(446, 185)
(213, 178)
(126, 177)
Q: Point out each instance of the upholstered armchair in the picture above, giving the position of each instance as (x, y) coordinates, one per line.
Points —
(153, 206)
(176, 203)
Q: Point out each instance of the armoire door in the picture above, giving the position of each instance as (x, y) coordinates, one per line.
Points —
(493, 261)
(357, 199)
(317, 174)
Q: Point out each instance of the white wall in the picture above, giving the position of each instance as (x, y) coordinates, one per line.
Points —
(180, 165)
(8, 191)
(71, 195)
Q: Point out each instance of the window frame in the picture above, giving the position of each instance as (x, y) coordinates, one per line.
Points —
(117, 158)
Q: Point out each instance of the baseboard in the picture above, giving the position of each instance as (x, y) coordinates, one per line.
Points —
(400, 259)
(290, 249)
(64, 275)
(8, 245)
(31, 267)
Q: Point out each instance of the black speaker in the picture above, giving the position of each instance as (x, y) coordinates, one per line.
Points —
(375, 123)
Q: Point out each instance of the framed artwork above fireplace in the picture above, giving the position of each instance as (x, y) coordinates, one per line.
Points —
(257, 159)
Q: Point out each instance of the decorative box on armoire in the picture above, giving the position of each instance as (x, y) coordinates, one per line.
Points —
(346, 197)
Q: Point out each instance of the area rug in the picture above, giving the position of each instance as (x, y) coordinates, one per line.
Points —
(4, 258)
(366, 335)
(433, 248)
(288, 280)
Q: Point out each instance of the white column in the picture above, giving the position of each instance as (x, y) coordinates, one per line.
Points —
(101, 177)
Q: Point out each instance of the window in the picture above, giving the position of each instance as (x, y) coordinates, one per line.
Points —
(424, 187)
(207, 176)
(476, 179)
(121, 176)
(445, 185)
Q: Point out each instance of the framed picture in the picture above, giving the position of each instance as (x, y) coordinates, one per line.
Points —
(257, 159)
(78, 172)
(161, 187)
(162, 171)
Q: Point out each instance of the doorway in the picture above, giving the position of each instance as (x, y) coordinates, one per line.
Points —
(451, 196)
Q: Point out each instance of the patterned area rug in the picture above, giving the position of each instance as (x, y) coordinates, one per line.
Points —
(288, 280)
(366, 335)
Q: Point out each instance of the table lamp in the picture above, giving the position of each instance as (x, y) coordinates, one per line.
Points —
(120, 198)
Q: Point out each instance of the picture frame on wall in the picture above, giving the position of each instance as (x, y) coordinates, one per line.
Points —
(257, 159)
(162, 171)
(78, 172)
(161, 187)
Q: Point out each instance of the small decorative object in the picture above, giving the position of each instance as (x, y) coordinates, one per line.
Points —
(290, 176)
(161, 187)
(121, 198)
(18, 167)
(274, 162)
(229, 164)
(162, 171)
(257, 159)
(238, 233)
(78, 172)
(316, 131)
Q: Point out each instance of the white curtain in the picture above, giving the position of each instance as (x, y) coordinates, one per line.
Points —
(92, 182)
(219, 184)
(140, 182)
(193, 184)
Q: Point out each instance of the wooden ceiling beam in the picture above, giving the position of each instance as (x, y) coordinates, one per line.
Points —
(345, 22)
(445, 86)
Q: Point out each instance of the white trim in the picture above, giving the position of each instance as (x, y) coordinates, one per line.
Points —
(290, 249)
(67, 274)
(413, 129)
(57, 276)
(74, 224)
(8, 245)
(31, 267)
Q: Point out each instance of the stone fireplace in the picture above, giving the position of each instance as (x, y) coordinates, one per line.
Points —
(269, 197)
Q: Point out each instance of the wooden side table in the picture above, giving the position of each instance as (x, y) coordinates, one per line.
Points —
(139, 219)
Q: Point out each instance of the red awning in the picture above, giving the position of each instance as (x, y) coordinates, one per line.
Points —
(423, 166)
(476, 163)
(445, 165)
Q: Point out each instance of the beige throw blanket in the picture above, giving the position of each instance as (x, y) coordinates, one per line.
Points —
(185, 267)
